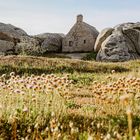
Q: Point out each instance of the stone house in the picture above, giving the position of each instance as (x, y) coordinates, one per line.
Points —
(81, 37)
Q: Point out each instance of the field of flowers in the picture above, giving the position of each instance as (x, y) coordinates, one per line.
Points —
(61, 99)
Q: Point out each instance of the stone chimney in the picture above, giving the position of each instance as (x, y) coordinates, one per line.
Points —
(79, 18)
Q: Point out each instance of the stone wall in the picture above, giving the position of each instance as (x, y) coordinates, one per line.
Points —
(81, 41)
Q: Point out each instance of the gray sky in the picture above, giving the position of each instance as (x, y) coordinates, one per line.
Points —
(39, 16)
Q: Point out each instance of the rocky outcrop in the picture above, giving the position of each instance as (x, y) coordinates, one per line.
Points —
(12, 31)
(101, 38)
(50, 42)
(9, 37)
(122, 44)
(6, 47)
(28, 46)
(14, 40)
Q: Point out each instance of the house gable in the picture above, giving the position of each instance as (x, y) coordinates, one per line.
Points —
(80, 38)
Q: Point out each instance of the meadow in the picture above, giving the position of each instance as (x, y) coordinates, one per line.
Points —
(62, 99)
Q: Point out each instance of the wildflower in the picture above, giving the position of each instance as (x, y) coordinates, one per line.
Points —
(17, 77)
(74, 130)
(108, 137)
(61, 127)
(59, 135)
(22, 92)
(25, 109)
(52, 130)
(90, 138)
(43, 75)
(32, 76)
(56, 129)
(47, 129)
(98, 125)
(52, 114)
(125, 97)
(113, 71)
(10, 93)
(33, 99)
(33, 95)
(119, 136)
(29, 86)
(3, 76)
(71, 124)
(108, 77)
(17, 91)
(12, 74)
(29, 130)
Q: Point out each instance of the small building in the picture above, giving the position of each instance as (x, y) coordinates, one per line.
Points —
(81, 37)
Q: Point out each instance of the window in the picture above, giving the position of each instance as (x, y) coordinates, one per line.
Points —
(84, 41)
(70, 43)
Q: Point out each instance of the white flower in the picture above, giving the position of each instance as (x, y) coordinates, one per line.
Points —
(90, 138)
(25, 109)
(12, 73)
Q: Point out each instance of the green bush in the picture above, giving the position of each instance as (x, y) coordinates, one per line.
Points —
(90, 56)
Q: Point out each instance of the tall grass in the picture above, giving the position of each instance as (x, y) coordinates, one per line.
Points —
(72, 100)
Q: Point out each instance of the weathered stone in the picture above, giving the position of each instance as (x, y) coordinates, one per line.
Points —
(101, 38)
(12, 31)
(128, 25)
(50, 42)
(6, 47)
(10, 36)
(28, 46)
(122, 45)
(81, 38)
(16, 41)
(133, 35)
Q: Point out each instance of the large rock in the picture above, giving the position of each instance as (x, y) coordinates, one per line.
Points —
(9, 37)
(14, 40)
(134, 36)
(101, 38)
(6, 47)
(12, 31)
(28, 46)
(122, 44)
(50, 42)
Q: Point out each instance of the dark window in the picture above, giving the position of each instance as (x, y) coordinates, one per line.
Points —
(84, 41)
(70, 43)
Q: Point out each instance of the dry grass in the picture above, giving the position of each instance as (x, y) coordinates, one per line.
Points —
(72, 100)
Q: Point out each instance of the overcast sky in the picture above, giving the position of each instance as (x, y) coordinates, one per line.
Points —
(39, 16)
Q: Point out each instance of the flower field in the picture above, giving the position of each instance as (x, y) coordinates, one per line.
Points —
(61, 99)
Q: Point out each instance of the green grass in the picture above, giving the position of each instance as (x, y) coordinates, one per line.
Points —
(39, 65)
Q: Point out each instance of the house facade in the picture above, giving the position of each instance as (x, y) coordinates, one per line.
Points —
(81, 37)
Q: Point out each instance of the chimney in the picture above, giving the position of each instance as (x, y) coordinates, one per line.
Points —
(79, 18)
